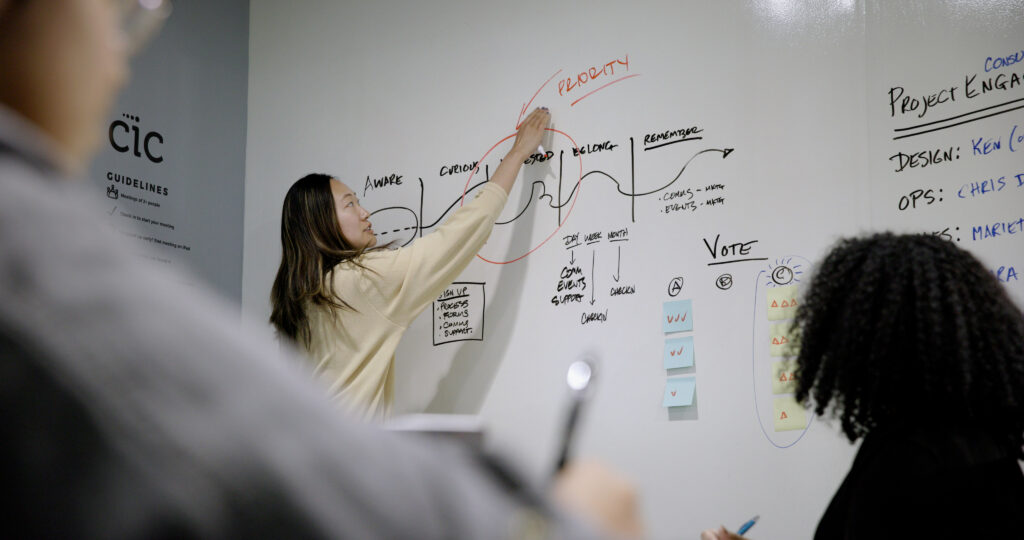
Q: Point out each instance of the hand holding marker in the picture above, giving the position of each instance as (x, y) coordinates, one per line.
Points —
(723, 534)
(746, 526)
(540, 147)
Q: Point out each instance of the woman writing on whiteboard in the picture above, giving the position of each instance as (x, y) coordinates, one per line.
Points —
(918, 351)
(347, 304)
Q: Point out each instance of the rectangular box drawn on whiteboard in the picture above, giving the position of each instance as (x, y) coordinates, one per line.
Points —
(679, 392)
(783, 340)
(459, 313)
(678, 353)
(783, 380)
(781, 302)
(789, 415)
(677, 316)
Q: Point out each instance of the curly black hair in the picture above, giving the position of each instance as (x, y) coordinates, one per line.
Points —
(910, 328)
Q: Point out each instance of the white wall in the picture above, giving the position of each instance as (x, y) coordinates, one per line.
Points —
(189, 88)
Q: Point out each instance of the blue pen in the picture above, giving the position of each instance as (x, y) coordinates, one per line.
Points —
(746, 526)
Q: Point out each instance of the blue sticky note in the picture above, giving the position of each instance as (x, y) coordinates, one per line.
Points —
(677, 316)
(679, 353)
(679, 392)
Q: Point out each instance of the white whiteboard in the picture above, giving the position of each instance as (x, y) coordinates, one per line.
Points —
(791, 104)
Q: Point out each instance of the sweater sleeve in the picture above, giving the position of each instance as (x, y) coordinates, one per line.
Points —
(420, 271)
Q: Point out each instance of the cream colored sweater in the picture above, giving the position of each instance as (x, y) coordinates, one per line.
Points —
(354, 350)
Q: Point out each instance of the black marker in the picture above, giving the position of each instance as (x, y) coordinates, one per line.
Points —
(579, 377)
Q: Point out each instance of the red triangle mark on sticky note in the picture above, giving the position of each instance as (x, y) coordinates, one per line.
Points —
(775, 304)
(782, 378)
(785, 303)
(783, 417)
(793, 303)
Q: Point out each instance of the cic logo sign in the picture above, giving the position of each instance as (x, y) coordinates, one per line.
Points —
(129, 138)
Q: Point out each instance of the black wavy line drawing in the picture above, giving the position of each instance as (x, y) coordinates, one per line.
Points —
(419, 227)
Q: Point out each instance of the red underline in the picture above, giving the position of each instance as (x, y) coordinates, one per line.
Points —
(603, 87)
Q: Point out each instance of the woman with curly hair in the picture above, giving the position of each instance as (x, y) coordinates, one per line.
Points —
(918, 352)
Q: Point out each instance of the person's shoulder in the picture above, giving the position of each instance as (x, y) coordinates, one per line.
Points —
(928, 449)
(375, 260)
(23, 182)
(46, 218)
(368, 267)
(358, 265)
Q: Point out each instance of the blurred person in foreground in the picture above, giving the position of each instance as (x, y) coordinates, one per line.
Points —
(137, 408)
(918, 351)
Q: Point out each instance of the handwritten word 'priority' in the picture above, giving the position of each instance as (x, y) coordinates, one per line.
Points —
(572, 83)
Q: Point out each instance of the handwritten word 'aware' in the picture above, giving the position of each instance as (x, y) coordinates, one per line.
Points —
(378, 183)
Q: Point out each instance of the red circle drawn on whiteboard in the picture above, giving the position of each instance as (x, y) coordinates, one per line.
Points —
(567, 213)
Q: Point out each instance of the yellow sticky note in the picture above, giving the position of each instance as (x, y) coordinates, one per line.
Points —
(783, 340)
(782, 302)
(783, 380)
(789, 415)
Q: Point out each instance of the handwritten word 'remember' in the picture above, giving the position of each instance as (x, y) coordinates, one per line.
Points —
(572, 83)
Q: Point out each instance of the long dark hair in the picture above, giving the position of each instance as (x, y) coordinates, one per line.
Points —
(311, 245)
(911, 328)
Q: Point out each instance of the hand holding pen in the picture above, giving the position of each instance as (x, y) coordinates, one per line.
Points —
(720, 534)
(589, 487)
(723, 534)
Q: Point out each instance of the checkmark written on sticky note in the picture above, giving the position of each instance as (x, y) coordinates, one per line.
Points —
(678, 353)
(677, 316)
(679, 392)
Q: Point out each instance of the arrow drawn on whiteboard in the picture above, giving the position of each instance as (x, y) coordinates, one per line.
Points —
(572, 256)
(593, 284)
(724, 151)
(526, 105)
(618, 267)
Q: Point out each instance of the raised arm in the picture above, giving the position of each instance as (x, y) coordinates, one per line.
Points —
(422, 270)
(530, 133)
